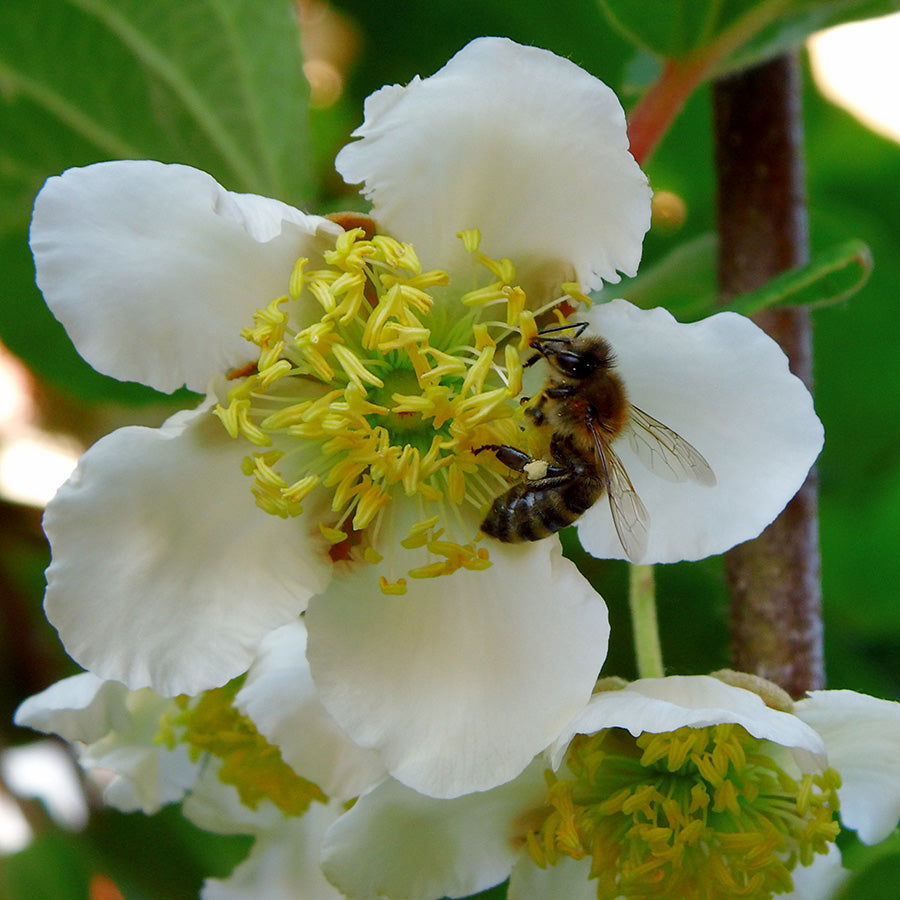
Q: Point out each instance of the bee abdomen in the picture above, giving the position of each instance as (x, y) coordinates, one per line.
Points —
(528, 513)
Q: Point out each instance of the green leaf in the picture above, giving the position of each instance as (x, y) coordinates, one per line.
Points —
(761, 28)
(672, 28)
(55, 866)
(831, 276)
(800, 20)
(684, 281)
(217, 84)
(876, 873)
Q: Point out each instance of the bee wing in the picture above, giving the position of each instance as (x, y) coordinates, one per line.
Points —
(629, 515)
(664, 452)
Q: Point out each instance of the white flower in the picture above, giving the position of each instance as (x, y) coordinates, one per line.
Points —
(681, 784)
(115, 729)
(150, 751)
(356, 387)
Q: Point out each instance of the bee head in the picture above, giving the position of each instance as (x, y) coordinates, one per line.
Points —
(577, 357)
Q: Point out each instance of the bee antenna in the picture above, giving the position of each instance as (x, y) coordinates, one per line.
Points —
(577, 327)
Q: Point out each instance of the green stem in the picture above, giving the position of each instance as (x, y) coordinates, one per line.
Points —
(642, 600)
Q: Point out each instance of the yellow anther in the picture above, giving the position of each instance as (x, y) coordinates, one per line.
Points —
(573, 289)
(332, 535)
(456, 483)
(482, 296)
(433, 278)
(372, 556)
(471, 239)
(371, 500)
(322, 292)
(445, 365)
(434, 570)
(397, 588)
(528, 328)
(515, 304)
(295, 284)
(477, 373)
(354, 368)
(394, 337)
(397, 254)
(514, 371)
(298, 491)
(273, 372)
(482, 337)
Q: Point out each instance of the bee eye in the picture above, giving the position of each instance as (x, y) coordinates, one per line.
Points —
(575, 365)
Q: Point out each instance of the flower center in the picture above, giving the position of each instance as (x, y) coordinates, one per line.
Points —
(211, 724)
(376, 382)
(698, 812)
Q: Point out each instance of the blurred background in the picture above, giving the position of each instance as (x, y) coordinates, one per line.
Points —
(240, 91)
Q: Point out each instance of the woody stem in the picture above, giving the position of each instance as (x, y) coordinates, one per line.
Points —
(776, 619)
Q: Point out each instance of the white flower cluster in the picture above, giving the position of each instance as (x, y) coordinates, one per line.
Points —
(312, 527)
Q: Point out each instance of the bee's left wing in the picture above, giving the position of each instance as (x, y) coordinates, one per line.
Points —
(629, 515)
(664, 452)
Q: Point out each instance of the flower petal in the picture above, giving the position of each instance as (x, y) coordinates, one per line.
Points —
(154, 269)
(81, 708)
(567, 878)
(862, 738)
(395, 842)
(514, 141)
(723, 385)
(462, 680)
(656, 705)
(821, 879)
(280, 698)
(116, 730)
(283, 864)
(164, 573)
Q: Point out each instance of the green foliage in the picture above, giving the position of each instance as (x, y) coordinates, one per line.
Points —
(876, 871)
(673, 30)
(215, 84)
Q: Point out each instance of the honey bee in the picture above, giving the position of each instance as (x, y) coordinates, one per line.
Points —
(585, 405)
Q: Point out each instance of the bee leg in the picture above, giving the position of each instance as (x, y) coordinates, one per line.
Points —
(509, 456)
(560, 392)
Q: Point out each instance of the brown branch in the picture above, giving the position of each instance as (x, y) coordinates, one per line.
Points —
(775, 579)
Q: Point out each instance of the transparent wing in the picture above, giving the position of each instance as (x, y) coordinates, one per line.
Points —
(629, 515)
(664, 452)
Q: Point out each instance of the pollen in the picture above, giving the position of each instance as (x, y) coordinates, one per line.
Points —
(373, 385)
(210, 724)
(696, 812)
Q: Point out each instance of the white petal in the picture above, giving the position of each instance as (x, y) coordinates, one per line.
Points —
(568, 878)
(280, 698)
(656, 705)
(164, 572)
(461, 681)
(821, 879)
(149, 774)
(154, 269)
(119, 728)
(283, 864)
(723, 385)
(397, 843)
(515, 141)
(862, 738)
(80, 708)
(217, 807)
